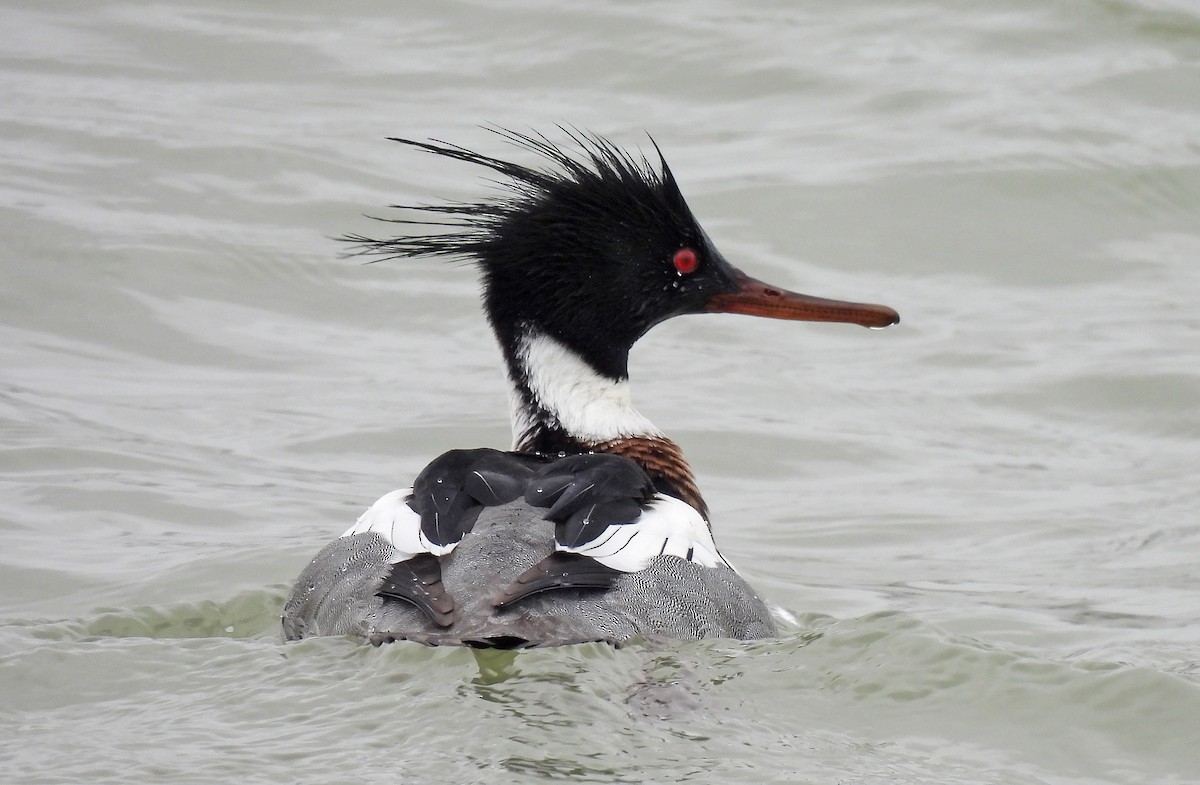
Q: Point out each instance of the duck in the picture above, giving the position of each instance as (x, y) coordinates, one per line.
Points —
(591, 526)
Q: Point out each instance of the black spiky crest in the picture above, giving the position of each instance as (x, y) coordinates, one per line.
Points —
(580, 250)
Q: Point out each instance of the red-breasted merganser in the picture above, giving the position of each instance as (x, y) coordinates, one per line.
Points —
(592, 527)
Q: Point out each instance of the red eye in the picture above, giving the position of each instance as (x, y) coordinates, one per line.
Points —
(686, 261)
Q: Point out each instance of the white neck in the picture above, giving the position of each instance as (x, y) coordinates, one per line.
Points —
(580, 401)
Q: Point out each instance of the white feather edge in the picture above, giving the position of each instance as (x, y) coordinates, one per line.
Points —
(397, 523)
(667, 527)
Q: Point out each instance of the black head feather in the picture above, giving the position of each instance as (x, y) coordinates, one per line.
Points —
(581, 250)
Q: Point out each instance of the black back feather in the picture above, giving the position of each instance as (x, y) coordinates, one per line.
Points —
(451, 492)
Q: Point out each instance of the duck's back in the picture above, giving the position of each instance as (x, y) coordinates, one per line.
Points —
(337, 594)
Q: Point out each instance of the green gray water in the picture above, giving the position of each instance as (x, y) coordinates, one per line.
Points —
(986, 521)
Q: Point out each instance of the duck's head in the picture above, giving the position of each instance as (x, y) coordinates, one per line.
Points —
(594, 252)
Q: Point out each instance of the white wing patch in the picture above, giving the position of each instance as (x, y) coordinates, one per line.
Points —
(667, 527)
(392, 519)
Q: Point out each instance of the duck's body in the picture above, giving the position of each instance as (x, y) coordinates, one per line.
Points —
(593, 528)
(671, 596)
